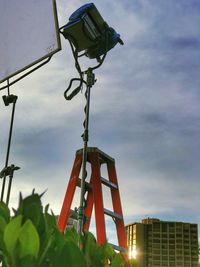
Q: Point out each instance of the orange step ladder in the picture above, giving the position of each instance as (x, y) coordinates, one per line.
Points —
(94, 196)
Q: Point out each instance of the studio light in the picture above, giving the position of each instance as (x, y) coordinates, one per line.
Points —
(89, 35)
(89, 32)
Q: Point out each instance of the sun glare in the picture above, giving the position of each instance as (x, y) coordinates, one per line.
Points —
(133, 254)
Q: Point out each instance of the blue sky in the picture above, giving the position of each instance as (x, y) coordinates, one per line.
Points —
(145, 113)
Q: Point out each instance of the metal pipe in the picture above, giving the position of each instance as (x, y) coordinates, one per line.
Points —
(90, 83)
(8, 149)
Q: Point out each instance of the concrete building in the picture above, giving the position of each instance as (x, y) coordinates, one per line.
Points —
(156, 243)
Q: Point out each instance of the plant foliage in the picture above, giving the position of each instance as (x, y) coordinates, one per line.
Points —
(31, 238)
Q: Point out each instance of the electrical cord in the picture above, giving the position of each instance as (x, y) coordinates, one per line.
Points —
(81, 73)
(80, 79)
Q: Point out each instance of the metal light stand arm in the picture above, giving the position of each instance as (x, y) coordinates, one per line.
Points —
(26, 74)
(90, 83)
(8, 170)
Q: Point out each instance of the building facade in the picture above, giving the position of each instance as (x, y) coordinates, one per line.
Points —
(156, 243)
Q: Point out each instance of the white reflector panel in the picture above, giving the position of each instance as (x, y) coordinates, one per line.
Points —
(28, 34)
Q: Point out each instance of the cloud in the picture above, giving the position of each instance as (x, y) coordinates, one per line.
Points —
(144, 113)
(184, 43)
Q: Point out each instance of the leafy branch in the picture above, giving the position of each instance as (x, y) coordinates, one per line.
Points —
(31, 238)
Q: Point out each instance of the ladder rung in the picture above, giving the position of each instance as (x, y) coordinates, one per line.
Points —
(113, 214)
(118, 248)
(108, 183)
(87, 185)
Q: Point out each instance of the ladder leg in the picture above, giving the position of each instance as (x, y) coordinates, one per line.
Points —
(88, 208)
(121, 233)
(62, 221)
(98, 199)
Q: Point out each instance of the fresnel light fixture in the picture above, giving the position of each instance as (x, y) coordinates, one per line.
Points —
(89, 35)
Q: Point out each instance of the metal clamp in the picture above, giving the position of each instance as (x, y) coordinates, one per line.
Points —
(90, 77)
(9, 99)
(9, 171)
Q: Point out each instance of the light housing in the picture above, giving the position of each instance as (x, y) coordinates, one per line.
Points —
(88, 31)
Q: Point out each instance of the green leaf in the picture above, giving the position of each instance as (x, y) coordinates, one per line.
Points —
(29, 243)
(28, 261)
(46, 208)
(56, 247)
(108, 251)
(47, 252)
(11, 234)
(96, 255)
(2, 227)
(89, 247)
(117, 261)
(31, 208)
(50, 222)
(71, 256)
(2, 224)
(72, 235)
(100, 256)
(4, 211)
(133, 263)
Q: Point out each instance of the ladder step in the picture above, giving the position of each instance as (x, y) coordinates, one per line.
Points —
(108, 183)
(87, 185)
(103, 157)
(118, 248)
(113, 214)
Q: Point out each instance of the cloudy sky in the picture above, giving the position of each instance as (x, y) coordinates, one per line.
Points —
(145, 113)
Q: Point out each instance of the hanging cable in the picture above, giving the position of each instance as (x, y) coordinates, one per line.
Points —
(80, 79)
(80, 72)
